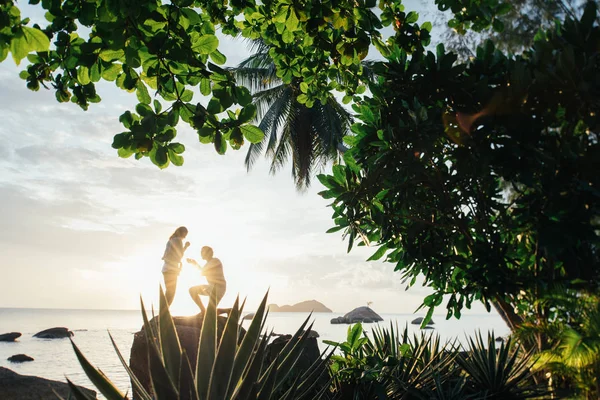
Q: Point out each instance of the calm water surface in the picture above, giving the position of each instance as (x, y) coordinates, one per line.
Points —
(54, 359)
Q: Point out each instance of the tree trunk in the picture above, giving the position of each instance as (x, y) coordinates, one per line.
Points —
(507, 314)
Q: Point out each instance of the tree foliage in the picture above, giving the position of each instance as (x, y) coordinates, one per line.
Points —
(481, 177)
(169, 51)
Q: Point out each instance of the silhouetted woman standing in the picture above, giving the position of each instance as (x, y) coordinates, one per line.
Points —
(172, 257)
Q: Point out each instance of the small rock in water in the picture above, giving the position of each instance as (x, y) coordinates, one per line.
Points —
(10, 337)
(419, 320)
(20, 358)
(54, 333)
(248, 316)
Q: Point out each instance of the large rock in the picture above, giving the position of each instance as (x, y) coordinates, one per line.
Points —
(188, 330)
(20, 358)
(14, 386)
(10, 337)
(419, 321)
(305, 306)
(54, 333)
(363, 315)
(308, 357)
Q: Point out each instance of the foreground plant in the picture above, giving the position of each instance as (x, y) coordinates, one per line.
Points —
(392, 365)
(229, 366)
(498, 372)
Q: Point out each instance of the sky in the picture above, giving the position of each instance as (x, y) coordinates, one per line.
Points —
(83, 228)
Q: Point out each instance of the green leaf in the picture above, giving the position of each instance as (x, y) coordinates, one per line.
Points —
(291, 22)
(247, 114)
(287, 37)
(83, 75)
(378, 254)
(426, 26)
(218, 57)
(126, 119)
(252, 133)
(159, 156)
(3, 52)
(175, 158)
(354, 333)
(214, 106)
(112, 72)
(205, 86)
(177, 148)
(112, 55)
(157, 106)
(243, 96)
(187, 96)
(142, 93)
(124, 152)
(498, 25)
(205, 44)
(27, 40)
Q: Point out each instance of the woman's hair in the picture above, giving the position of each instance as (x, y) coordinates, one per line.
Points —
(179, 232)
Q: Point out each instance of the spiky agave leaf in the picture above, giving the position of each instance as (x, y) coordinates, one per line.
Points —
(139, 389)
(224, 360)
(169, 341)
(77, 393)
(207, 347)
(162, 384)
(249, 344)
(98, 379)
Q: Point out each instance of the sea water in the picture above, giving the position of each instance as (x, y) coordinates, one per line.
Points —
(55, 359)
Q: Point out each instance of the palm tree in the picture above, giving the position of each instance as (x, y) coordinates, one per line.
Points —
(311, 137)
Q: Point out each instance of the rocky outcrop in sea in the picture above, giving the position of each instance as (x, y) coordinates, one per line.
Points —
(10, 337)
(54, 333)
(363, 315)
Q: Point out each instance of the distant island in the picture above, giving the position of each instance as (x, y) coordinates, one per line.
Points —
(304, 306)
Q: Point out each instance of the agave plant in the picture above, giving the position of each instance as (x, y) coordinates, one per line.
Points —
(391, 365)
(228, 367)
(498, 373)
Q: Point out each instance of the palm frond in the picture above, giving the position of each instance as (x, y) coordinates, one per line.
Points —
(277, 101)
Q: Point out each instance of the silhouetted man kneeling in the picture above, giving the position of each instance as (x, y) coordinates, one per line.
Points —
(213, 271)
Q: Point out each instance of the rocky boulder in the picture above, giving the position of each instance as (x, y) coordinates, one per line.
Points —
(10, 337)
(363, 315)
(20, 358)
(14, 386)
(188, 330)
(54, 333)
(309, 356)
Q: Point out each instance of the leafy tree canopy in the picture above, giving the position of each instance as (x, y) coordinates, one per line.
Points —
(169, 51)
(482, 177)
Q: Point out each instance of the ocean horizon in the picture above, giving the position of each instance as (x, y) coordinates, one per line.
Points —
(55, 359)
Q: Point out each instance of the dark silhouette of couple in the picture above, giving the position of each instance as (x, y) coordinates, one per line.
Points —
(212, 269)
